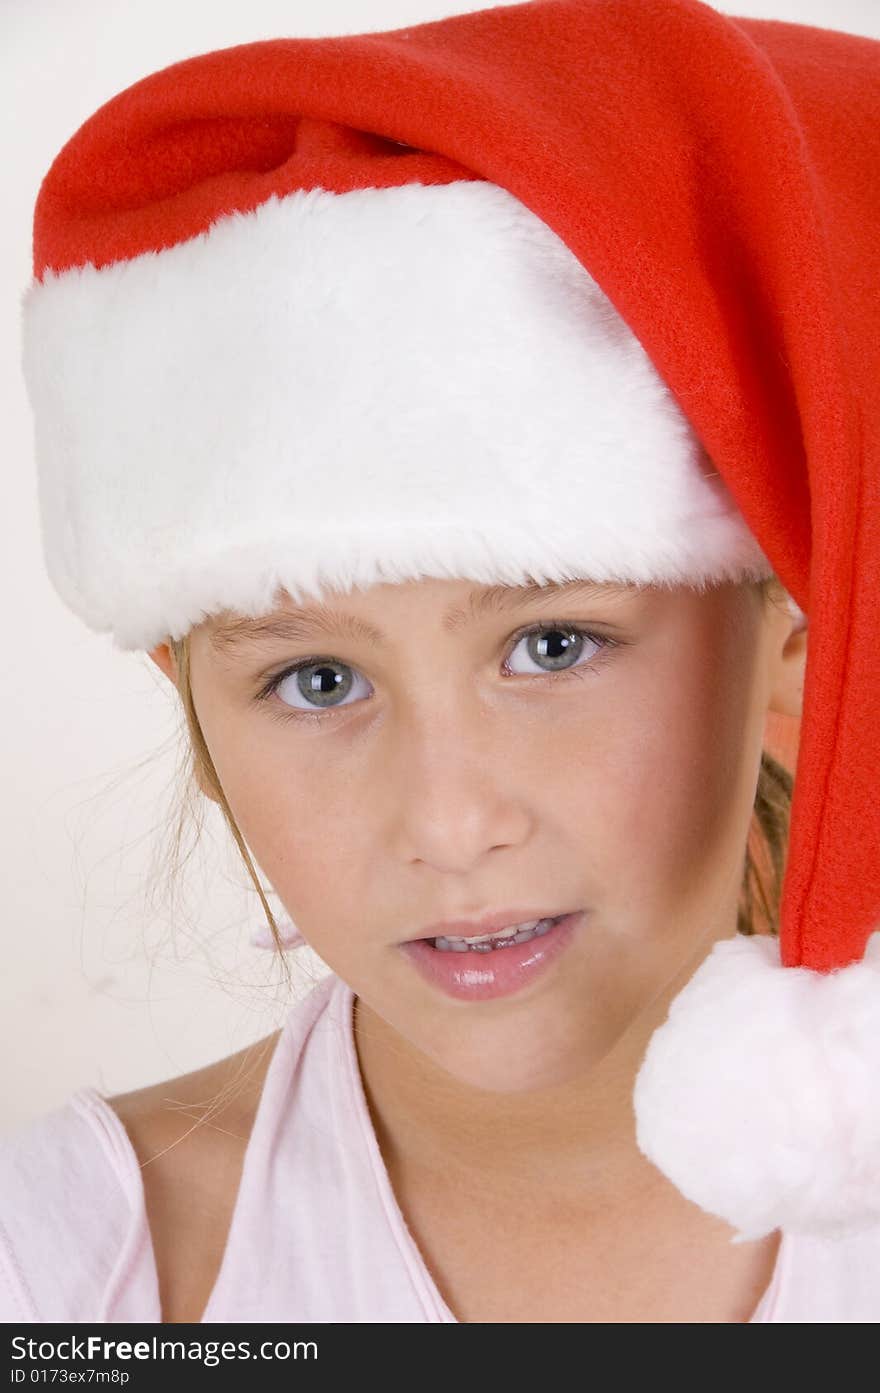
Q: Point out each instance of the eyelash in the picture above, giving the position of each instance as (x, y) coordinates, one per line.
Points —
(604, 641)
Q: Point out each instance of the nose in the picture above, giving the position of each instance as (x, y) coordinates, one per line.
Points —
(456, 793)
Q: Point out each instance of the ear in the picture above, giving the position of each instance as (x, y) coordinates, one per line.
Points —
(789, 664)
(164, 658)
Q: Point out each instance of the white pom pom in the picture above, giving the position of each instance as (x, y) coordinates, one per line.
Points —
(759, 1096)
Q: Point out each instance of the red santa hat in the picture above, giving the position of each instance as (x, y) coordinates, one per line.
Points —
(559, 289)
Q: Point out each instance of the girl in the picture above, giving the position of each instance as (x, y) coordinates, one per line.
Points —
(478, 582)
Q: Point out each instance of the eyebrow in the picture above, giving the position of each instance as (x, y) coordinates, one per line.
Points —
(305, 624)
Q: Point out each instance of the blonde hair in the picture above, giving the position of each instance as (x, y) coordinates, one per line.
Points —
(765, 852)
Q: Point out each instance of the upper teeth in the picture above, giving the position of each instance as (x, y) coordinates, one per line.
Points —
(499, 933)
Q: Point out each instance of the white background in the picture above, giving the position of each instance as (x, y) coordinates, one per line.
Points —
(104, 981)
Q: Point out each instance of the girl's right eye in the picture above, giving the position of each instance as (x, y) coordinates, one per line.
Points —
(315, 684)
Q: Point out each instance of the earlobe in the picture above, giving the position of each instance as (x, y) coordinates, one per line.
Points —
(787, 689)
(212, 797)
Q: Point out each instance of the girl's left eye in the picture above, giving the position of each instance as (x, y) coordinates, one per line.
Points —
(324, 683)
(556, 644)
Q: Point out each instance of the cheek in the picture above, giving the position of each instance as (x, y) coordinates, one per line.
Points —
(299, 818)
(664, 800)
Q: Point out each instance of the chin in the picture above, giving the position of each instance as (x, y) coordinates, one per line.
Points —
(496, 1069)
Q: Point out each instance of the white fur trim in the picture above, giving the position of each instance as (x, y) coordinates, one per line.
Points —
(339, 389)
(759, 1096)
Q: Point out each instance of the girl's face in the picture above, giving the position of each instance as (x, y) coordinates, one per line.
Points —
(450, 750)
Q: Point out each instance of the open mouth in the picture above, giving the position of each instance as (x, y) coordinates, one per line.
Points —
(496, 942)
(509, 959)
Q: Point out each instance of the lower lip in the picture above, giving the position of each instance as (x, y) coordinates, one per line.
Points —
(480, 976)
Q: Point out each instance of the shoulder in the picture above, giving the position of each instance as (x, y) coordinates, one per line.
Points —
(190, 1135)
(90, 1191)
(66, 1204)
(119, 1207)
(208, 1109)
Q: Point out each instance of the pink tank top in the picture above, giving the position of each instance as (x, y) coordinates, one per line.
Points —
(316, 1233)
